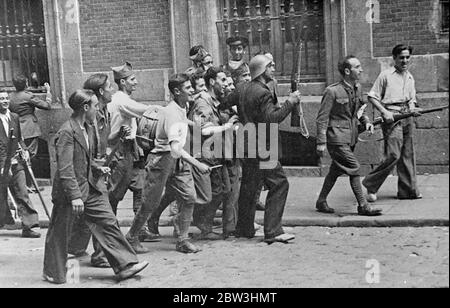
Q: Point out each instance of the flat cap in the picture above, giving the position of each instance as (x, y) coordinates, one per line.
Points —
(237, 40)
(123, 72)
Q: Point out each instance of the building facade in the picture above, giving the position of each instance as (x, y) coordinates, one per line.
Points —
(65, 41)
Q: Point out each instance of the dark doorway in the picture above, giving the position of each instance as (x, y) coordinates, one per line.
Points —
(298, 151)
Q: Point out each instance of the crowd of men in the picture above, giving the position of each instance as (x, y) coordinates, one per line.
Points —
(99, 158)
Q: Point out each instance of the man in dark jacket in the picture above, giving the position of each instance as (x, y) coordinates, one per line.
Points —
(337, 129)
(15, 179)
(260, 109)
(76, 192)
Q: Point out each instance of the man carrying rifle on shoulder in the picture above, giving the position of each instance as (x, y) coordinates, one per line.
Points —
(11, 142)
(394, 93)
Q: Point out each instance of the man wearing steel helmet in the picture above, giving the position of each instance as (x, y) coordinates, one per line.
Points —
(259, 106)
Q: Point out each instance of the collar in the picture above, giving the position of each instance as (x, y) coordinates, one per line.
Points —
(394, 70)
(347, 85)
(7, 115)
(177, 106)
(235, 64)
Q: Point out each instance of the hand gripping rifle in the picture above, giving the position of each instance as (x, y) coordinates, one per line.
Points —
(402, 116)
(27, 165)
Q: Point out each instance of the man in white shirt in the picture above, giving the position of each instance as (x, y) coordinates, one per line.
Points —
(15, 180)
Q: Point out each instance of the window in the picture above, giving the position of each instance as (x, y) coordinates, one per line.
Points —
(445, 16)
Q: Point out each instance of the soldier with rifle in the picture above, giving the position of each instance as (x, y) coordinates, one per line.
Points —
(392, 94)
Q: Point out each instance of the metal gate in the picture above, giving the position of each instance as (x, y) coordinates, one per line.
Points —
(22, 42)
(277, 26)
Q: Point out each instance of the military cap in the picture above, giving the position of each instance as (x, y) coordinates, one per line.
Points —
(237, 40)
(123, 72)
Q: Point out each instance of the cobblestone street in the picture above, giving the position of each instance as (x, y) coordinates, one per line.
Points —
(319, 257)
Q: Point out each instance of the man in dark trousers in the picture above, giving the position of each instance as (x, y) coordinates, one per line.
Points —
(259, 108)
(16, 180)
(393, 93)
(75, 193)
(337, 129)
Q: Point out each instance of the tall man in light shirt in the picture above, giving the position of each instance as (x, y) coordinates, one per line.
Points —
(124, 111)
(393, 93)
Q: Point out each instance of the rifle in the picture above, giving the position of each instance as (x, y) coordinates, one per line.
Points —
(402, 116)
(27, 165)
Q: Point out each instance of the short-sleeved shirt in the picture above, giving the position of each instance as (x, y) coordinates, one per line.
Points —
(172, 126)
(394, 88)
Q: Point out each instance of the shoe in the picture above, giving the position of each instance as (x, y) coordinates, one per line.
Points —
(260, 206)
(100, 264)
(211, 236)
(132, 270)
(147, 236)
(372, 198)
(30, 234)
(418, 197)
(78, 254)
(136, 245)
(322, 207)
(227, 235)
(368, 210)
(51, 280)
(283, 238)
(186, 246)
(153, 227)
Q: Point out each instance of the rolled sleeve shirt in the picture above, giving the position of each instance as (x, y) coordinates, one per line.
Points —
(394, 89)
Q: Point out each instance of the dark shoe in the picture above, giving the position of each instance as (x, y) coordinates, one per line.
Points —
(227, 235)
(147, 236)
(132, 270)
(100, 264)
(51, 280)
(136, 245)
(187, 247)
(283, 238)
(368, 210)
(30, 234)
(322, 207)
(419, 197)
(260, 206)
(153, 227)
(211, 236)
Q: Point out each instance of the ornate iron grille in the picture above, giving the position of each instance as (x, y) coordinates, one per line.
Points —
(278, 26)
(22, 42)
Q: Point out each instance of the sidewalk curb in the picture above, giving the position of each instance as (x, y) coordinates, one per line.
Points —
(334, 222)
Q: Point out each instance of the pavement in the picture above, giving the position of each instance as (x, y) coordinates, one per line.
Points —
(431, 211)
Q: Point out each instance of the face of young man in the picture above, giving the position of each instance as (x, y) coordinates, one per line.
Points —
(230, 87)
(245, 77)
(237, 52)
(220, 85)
(4, 102)
(354, 73)
(403, 60)
(130, 84)
(106, 92)
(92, 109)
(186, 93)
(200, 86)
(207, 63)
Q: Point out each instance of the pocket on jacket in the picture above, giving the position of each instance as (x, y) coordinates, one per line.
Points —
(343, 101)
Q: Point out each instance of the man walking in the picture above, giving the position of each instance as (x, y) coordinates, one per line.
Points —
(76, 193)
(394, 92)
(337, 129)
(259, 107)
(169, 168)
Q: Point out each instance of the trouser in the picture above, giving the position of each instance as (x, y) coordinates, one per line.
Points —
(343, 162)
(104, 227)
(398, 152)
(163, 171)
(32, 146)
(18, 187)
(275, 180)
(230, 203)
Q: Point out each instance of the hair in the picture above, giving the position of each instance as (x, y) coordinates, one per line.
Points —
(345, 63)
(212, 73)
(177, 81)
(195, 77)
(95, 83)
(20, 82)
(80, 98)
(239, 72)
(194, 50)
(400, 48)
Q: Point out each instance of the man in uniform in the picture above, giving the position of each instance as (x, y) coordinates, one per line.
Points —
(394, 92)
(259, 107)
(237, 47)
(128, 168)
(169, 168)
(76, 192)
(15, 179)
(337, 129)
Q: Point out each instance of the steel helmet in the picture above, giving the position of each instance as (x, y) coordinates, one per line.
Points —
(258, 65)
